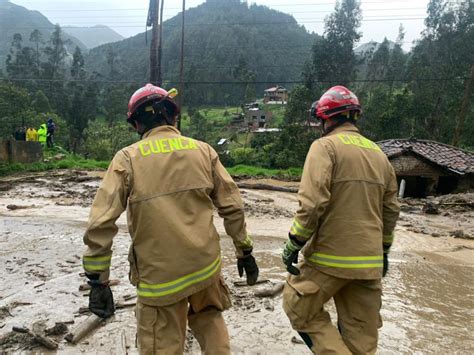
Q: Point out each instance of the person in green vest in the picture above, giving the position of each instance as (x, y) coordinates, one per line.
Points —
(42, 132)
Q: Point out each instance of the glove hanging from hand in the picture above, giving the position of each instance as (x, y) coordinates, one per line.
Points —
(101, 300)
(248, 264)
(290, 256)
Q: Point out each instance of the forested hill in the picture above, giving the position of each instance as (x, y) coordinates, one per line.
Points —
(226, 41)
(17, 19)
(93, 36)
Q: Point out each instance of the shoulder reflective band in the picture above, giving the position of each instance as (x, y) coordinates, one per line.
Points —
(96, 263)
(247, 243)
(347, 262)
(168, 288)
(299, 230)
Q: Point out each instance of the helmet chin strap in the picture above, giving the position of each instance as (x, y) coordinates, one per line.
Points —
(325, 131)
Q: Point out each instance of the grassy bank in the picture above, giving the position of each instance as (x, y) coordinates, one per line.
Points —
(67, 163)
(254, 171)
(75, 162)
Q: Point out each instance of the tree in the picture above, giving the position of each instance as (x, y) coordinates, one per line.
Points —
(37, 38)
(333, 57)
(56, 54)
(77, 67)
(41, 103)
(14, 108)
(20, 60)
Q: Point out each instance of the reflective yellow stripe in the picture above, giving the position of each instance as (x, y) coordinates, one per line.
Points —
(347, 262)
(299, 230)
(168, 288)
(96, 263)
(247, 243)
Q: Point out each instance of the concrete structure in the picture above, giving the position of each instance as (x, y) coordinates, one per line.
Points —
(275, 94)
(12, 151)
(257, 118)
(430, 167)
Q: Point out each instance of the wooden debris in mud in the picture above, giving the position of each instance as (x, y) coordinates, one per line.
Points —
(270, 292)
(17, 207)
(244, 283)
(244, 185)
(84, 328)
(40, 339)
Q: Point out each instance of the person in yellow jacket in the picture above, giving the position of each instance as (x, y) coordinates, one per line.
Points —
(344, 226)
(169, 185)
(31, 135)
(42, 133)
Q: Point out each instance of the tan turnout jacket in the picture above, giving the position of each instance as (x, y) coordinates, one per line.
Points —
(168, 184)
(348, 205)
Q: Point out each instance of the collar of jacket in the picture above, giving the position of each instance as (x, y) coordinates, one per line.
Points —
(346, 127)
(161, 129)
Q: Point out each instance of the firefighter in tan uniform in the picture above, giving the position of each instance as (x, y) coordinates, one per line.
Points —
(344, 225)
(169, 185)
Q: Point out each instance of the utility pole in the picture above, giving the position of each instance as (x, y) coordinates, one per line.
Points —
(181, 67)
(153, 21)
(464, 107)
(160, 43)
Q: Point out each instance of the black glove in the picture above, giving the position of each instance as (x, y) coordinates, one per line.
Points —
(385, 264)
(101, 300)
(290, 257)
(248, 264)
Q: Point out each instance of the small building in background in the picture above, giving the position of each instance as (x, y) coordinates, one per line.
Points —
(257, 118)
(276, 94)
(429, 167)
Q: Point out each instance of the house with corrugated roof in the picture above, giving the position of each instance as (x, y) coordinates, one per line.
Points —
(276, 94)
(430, 167)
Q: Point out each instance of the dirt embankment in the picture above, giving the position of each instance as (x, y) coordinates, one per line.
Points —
(427, 308)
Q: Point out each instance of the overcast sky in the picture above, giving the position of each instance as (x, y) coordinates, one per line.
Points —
(381, 17)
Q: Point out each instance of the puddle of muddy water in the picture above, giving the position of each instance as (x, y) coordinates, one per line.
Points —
(428, 303)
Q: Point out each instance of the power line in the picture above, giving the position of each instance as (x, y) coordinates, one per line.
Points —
(230, 24)
(231, 82)
(382, 2)
(290, 13)
(298, 21)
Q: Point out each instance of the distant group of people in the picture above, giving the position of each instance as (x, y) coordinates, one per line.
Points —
(44, 134)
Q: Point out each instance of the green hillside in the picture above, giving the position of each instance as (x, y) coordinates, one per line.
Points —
(226, 41)
(17, 19)
(93, 36)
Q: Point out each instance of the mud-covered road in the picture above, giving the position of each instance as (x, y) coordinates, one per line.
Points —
(428, 294)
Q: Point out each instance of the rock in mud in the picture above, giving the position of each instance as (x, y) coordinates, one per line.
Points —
(430, 208)
(296, 340)
(58, 329)
(435, 235)
(457, 234)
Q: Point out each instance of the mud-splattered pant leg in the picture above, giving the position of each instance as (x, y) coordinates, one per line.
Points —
(161, 330)
(206, 321)
(358, 308)
(304, 297)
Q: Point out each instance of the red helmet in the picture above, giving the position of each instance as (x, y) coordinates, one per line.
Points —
(148, 94)
(335, 101)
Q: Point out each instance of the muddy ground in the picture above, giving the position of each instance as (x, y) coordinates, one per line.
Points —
(428, 294)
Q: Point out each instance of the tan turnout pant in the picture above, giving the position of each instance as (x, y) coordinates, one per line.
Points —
(358, 305)
(162, 330)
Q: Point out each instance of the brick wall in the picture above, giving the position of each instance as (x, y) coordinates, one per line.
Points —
(411, 165)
